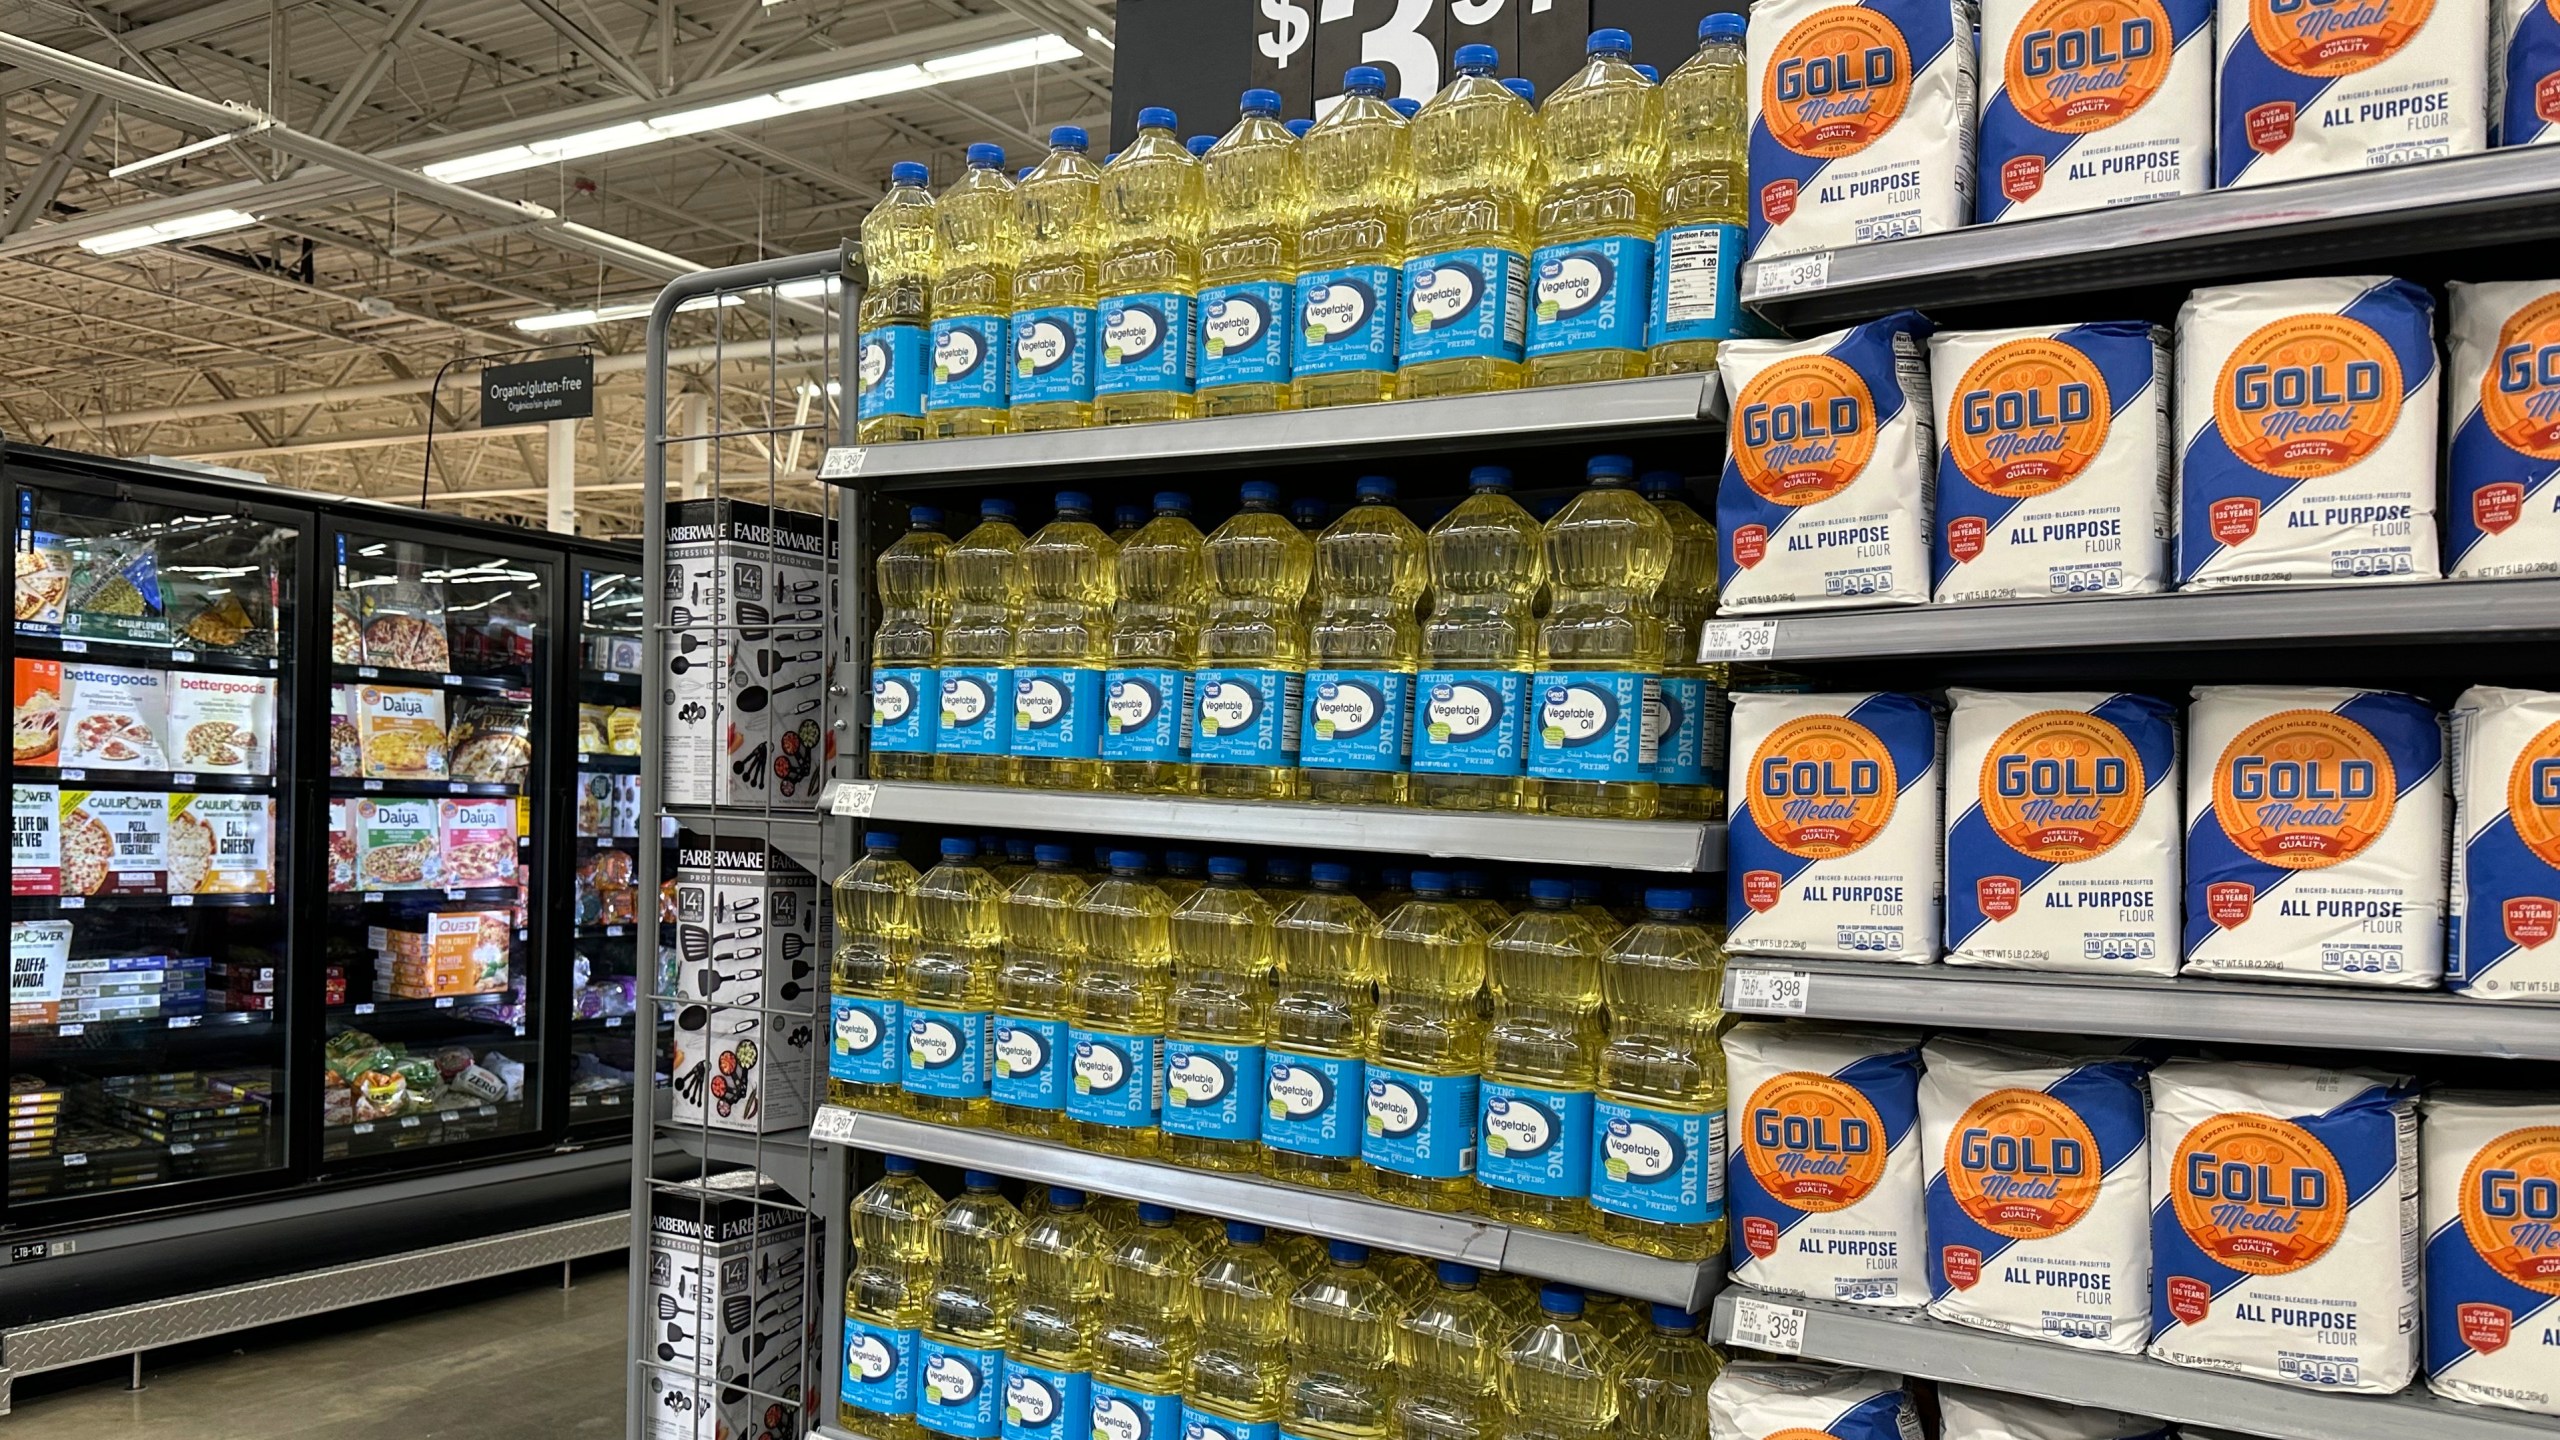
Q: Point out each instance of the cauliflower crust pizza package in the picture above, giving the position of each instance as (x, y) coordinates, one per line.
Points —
(2491, 1197)
(1833, 850)
(2503, 935)
(2502, 452)
(2092, 103)
(1758, 1400)
(1861, 121)
(2327, 87)
(1824, 1183)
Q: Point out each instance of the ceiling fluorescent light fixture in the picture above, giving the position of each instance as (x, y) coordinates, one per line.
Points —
(185, 227)
(1011, 55)
(608, 314)
(152, 162)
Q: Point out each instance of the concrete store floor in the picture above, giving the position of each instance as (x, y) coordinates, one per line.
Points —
(511, 1357)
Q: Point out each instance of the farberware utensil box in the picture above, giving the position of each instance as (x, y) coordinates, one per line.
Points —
(743, 700)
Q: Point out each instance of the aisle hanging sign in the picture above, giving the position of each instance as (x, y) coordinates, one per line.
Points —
(538, 390)
(1301, 47)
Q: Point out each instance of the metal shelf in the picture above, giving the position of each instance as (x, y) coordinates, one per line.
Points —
(1905, 1344)
(1470, 1239)
(1614, 412)
(2380, 216)
(1684, 846)
(2230, 1011)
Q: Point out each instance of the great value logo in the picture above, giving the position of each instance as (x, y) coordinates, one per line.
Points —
(2335, 37)
(2306, 396)
(1805, 429)
(1836, 82)
(2304, 790)
(1822, 786)
(2062, 786)
(2077, 66)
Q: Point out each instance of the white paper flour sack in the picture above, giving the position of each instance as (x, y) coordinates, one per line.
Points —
(2491, 1198)
(2502, 452)
(2092, 103)
(1756, 1400)
(1832, 851)
(1861, 121)
(2503, 934)
(1965, 1413)
(1824, 1180)
(2524, 73)
(2320, 87)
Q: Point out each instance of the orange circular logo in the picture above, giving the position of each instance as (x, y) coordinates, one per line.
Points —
(1822, 786)
(2082, 65)
(1804, 430)
(2533, 796)
(2062, 786)
(2520, 396)
(2028, 418)
(2308, 395)
(2023, 1164)
(2335, 37)
(1813, 1142)
(1837, 82)
(2259, 1194)
(2304, 789)
(2511, 1206)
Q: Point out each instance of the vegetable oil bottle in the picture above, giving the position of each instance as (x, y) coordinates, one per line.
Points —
(1471, 706)
(1153, 211)
(1540, 1059)
(1249, 262)
(1560, 1375)
(1301, 1252)
(962, 1354)
(1395, 887)
(1018, 860)
(898, 245)
(1115, 1011)
(1309, 513)
(1588, 904)
(875, 904)
(1059, 205)
(1028, 1049)
(1071, 579)
(1449, 1341)
(1527, 90)
(1662, 1393)
(1183, 876)
(1125, 520)
(1594, 268)
(977, 650)
(1342, 1351)
(951, 987)
(1155, 643)
(1284, 880)
(884, 1301)
(1253, 653)
(1143, 1355)
(973, 301)
(1619, 1320)
(1475, 893)
(1426, 1051)
(1359, 167)
(1239, 1371)
(1357, 736)
(1298, 128)
(1466, 312)
(1658, 1126)
(1600, 650)
(1057, 1309)
(1317, 1088)
(915, 597)
(1223, 951)
(1697, 261)
(1695, 713)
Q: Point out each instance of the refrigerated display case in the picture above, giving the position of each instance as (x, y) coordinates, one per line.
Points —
(605, 835)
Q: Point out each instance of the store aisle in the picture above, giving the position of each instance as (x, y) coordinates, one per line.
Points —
(508, 1357)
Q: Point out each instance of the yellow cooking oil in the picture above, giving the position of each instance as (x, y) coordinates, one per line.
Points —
(962, 1355)
(976, 740)
(906, 691)
(1475, 894)
(1659, 1120)
(1059, 1256)
(1343, 1377)
(1253, 652)
(1216, 1023)
(1239, 1370)
(1321, 996)
(1358, 162)
(1142, 1357)
(1115, 1011)
(875, 912)
(1071, 580)
(1155, 644)
(1541, 1057)
(1257, 199)
(1466, 310)
(1559, 1376)
(1697, 258)
(950, 988)
(1183, 876)
(1694, 715)
(1487, 558)
(1450, 1339)
(1600, 650)
(1356, 740)
(1284, 880)
(1591, 285)
(979, 239)
(1027, 1048)
(1153, 212)
(1662, 1391)
(1426, 1051)
(898, 245)
(1058, 204)
(887, 1280)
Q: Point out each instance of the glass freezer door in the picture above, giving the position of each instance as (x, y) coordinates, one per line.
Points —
(605, 839)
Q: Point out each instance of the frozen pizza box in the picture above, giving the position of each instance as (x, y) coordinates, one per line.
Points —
(222, 724)
(39, 959)
(114, 717)
(399, 845)
(402, 731)
(43, 573)
(342, 845)
(114, 842)
(36, 732)
(35, 840)
(479, 840)
(221, 845)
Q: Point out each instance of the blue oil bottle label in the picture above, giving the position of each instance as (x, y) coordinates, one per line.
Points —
(1465, 305)
(879, 1368)
(1312, 1104)
(1244, 333)
(1470, 722)
(969, 362)
(906, 709)
(946, 1053)
(1590, 725)
(1245, 717)
(864, 1041)
(1120, 1413)
(1146, 715)
(977, 710)
(1421, 1125)
(894, 371)
(1029, 1057)
(1211, 1091)
(1347, 319)
(1662, 1165)
(1114, 1079)
(961, 1389)
(1688, 719)
(1057, 712)
(1053, 357)
(1697, 272)
(1535, 1141)
(1198, 1424)
(1357, 720)
(1590, 295)
(1146, 344)
(1045, 1404)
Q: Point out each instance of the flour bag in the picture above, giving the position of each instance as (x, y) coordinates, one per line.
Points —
(2503, 930)
(1824, 1181)
(2502, 455)
(2092, 103)
(1832, 851)
(1861, 121)
(2324, 87)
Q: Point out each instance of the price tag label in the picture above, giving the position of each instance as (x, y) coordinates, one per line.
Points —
(74, 773)
(185, 1022)
(368, 672)
(70, 1030)
(182, 777)
(842, 462)
(452, 681)
(1791, 273)
(613, 931)
(610, 677)
(364, 1007)
(373, 897)
(1761, 1325)
(613, 1022)
(183, 657)
(75, 902)
(372, 785)
(1737, 640)
(833, 1126)
(451, 894)
(364, 1127)
(182, 1148)
(410, 1122)
(1771, 992)
(181, 902)
(448, 1116)
(75, 647)
(854, 798)
(444, 1002)
(71, 1160)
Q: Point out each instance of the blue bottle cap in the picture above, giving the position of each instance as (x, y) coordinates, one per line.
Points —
(1108, 159)
(1489, 477)
(1451, 1272)
(1477, 59)
(1287, 869)
(1430, 882)
(1128, 862)
(1611, 42)
(1364, 79)
(898, 1164)
(957, 847)
(1671, 902)
(1244, 1232)
(1658, 483)
(993, 509)
(1522, 86)
(1329, 872)
(923, 517)
(1724, 25)
(1610, 467)
(1674, 1319)
(1199, 145)
(1306, 511)
(1560, 1299)
(1551, 891)
(1406, 106)
(1172, 502)
(1131, 515)
(1024, 173)
(1156, 117)
(1260, 102)
(909, 172)
(880, 840)
(1297, 128)
(990, 845)
(1182, 862)
(1069, 137)
(1018, 847)
(1398, 877)
(980, 1180)
(1259, 492)
(1065, 1197)
(1651, 75)
(1053, 854)
(1150, 1213)
(1375, 487)
(1472, 879)
(1226, 867)
(1073, 503)
(1346, 1252)
(983, 156)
